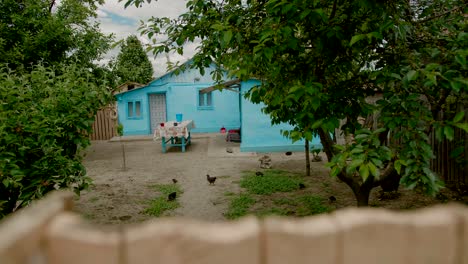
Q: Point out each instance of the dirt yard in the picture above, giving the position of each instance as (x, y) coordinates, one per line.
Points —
(120, 196)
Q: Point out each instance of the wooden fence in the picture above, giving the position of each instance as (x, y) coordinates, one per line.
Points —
(104, 124)
(454, 171)
(48, 233)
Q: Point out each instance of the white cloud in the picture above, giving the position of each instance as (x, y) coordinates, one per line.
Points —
(159, 8)
(101, 13)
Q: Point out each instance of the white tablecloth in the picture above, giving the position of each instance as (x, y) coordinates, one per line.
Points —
(169, 130)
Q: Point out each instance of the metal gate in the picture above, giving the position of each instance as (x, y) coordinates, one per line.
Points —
(157, 104)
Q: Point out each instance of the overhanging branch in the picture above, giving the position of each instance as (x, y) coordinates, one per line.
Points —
(222, 86)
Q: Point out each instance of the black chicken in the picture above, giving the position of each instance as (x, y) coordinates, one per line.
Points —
(174, 181)
(259, 173)
(288, 153)
(332, 199)
(301, 186)
(211, 180)
(172, 196)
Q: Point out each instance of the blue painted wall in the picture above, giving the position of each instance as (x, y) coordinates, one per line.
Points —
(258, 134)
(182, 97)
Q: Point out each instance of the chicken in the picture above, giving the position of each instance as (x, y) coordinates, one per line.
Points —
(172, 196)
(332, 199)
(288, 153)
(174, 181)
(259, 173)
(211, 180)
(301, 186)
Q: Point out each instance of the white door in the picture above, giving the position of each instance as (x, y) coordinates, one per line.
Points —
(157, 104)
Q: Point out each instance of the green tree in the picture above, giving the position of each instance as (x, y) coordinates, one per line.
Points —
(320, 60)
(132, 63)
(42, 31)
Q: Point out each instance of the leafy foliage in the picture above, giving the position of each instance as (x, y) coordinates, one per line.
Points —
(320, 60)
(50, 90)
(33, 32)
(45, 120)
(132, 62)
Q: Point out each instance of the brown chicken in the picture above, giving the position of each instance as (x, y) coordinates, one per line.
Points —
(211, 180)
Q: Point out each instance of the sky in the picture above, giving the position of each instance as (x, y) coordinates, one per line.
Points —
(123, 22)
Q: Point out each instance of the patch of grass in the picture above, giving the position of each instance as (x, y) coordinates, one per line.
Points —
(272, 181)
(325, 184)
(274, 193)
(160, 204)
(285, 201)
(239, 206)
(272, 211)
(311, 205)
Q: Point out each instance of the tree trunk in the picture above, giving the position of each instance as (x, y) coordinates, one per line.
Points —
(361, 191)
(307, 157)
(327, 143)
(362, 196)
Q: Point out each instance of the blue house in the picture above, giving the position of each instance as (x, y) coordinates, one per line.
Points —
(257, 132)
(193, 95)
(142, 109)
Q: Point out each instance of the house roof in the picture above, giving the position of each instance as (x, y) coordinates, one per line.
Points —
(121, 87)
(153, 80)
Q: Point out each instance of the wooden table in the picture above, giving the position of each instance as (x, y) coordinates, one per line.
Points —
(178, 134)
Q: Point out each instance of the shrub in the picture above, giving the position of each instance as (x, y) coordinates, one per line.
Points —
(45, 119)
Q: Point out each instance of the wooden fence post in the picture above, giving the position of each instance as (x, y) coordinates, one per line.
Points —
(21, 233)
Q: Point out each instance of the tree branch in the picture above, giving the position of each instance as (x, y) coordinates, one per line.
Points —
(51, 5)
(389, 169)
(332, 15)
(441, 14)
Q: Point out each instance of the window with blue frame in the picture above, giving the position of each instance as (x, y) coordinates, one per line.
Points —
(205, 100)
(134, 109)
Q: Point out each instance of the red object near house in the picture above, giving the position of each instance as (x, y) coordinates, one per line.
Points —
(233, 135)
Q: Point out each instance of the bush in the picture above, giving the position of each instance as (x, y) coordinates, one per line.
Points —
(45, 119)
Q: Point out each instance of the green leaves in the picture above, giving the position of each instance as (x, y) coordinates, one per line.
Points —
(463, 126)
(37, 35)
(364, 171)
(458, 117)
(45, 118)
(227, 36)
(357, 38)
